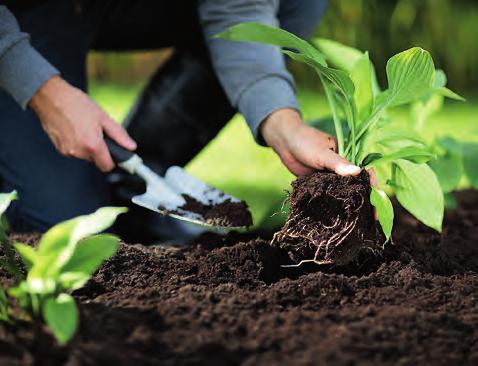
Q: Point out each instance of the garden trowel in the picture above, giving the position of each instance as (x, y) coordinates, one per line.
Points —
(166, 195)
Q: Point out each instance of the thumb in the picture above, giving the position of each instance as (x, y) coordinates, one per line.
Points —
(117, 133)
(334, 162)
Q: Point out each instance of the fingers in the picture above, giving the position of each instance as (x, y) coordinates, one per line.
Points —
(102, 158)
(334, 162)
(118, 134)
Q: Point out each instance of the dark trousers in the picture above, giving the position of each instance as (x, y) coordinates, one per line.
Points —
(53, 188)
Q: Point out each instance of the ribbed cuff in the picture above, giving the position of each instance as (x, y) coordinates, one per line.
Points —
(23, 71)
(262, 98)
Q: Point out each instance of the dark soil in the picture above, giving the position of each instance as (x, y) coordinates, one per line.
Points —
(225, 214)
(226, 300)
(330, 220)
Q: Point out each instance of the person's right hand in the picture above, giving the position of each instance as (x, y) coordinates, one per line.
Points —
(76, 124)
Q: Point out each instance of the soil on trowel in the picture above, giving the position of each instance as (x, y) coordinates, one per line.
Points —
(225, 214)
(330, 220)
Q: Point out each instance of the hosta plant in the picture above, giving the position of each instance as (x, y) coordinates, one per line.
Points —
(354, 96)
(65, 259)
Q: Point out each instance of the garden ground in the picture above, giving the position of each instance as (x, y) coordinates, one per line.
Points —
(226, 300)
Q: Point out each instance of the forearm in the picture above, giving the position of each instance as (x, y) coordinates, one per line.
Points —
(254, 76)
(22, 69)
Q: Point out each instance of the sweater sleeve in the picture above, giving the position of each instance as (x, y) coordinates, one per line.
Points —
(254, 76)
(22, 69)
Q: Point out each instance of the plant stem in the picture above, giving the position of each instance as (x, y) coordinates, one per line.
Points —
(337, 124)
(368, 123)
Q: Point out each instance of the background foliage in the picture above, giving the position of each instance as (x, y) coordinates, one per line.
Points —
(446, 28)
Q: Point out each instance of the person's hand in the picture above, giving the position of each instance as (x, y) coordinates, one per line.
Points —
(303, 149)
(76, 124)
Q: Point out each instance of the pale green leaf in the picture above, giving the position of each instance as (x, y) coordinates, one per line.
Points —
(416, 154)
(6, 199)
(394, 138)
(418, 191)
(27, 253)
(448, 167)
(265, 34)
(91, 253)
(59, 243)
(384, 208)
(361, 75)
(449, 94)
(61, 315)
(73, 280)
(440, 78)
(470, 163)
(411, 75)
(340, 55)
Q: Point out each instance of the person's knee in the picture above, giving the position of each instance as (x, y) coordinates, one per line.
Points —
(301, 17)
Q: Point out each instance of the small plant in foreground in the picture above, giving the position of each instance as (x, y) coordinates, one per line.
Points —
(65, 259)
(353, 95)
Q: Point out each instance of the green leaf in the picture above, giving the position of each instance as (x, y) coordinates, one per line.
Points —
(27, 253)
(395, 138)
(449, 94)
(361, 75)
(61, 315)
(338, 78)
(6, 199)
(370, 158)
(470, 163)
(91, 253)
(382, 204)
(59, 243)
(342, 56)
(448, 167)
(419, 192)
(265, 34)
(416, 154)
(73, 280)
(440, 78)
(411, 75)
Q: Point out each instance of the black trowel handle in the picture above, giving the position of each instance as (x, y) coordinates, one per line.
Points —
(118, 153)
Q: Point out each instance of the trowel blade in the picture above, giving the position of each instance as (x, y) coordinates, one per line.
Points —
(184, 183)
(181, 183)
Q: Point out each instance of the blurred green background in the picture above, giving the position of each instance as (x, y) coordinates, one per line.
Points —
(234, 163)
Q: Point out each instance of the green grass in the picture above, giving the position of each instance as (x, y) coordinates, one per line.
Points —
(234, 163)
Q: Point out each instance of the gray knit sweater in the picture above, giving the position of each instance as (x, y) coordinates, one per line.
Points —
(254, 76)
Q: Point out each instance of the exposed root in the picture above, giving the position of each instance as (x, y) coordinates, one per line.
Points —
(328, 226)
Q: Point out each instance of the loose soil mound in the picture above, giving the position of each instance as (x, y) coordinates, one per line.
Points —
(225, 300)
(330, 219)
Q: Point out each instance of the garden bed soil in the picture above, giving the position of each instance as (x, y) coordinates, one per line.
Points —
(226, 300)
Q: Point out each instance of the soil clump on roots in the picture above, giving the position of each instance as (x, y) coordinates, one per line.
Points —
(330, 220)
